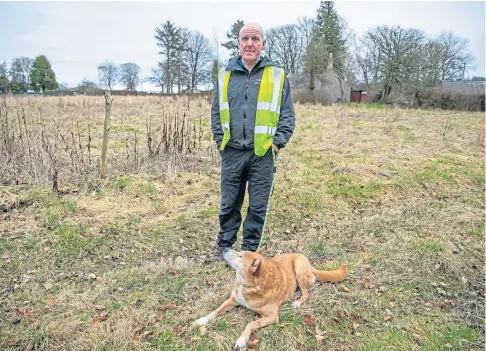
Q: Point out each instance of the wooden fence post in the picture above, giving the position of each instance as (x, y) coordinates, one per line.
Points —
(106, 133)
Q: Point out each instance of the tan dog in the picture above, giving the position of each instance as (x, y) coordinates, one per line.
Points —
(262, 286)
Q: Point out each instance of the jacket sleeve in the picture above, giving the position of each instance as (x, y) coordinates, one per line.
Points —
(216, 128)
(286, 122)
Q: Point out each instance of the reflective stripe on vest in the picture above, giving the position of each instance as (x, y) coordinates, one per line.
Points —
(268, 107)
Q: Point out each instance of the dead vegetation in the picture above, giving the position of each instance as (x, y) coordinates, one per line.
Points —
(396, 194)
(57, 141)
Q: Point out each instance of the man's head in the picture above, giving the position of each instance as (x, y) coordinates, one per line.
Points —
(251, 43)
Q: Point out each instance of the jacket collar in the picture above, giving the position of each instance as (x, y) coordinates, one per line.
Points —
(234, 64)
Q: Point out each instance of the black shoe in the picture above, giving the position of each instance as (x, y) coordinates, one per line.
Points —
(218, 255)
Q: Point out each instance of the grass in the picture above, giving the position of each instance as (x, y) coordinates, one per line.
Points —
(348, 187)
(377, 188)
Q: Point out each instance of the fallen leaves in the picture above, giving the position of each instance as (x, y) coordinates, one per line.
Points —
(448, 303)
(202, 330)
(179, 330)
(320, 339)
(368, 284)
(148, 333)
(210, 282)
(343, 288)
(47, 301)
(310, 319)
(137, 333)
(26, 315)
(169, 306)
(100, 317)
(175, 274)
(417, 337)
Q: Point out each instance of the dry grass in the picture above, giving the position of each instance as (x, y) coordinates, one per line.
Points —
(396, 194)
(57, 140)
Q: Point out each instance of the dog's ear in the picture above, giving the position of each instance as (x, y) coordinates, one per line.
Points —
(255, 266)
(262, 250)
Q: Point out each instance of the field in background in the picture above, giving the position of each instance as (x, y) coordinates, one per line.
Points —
(396, 194)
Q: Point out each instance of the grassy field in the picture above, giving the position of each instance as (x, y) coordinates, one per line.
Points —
(396, 194)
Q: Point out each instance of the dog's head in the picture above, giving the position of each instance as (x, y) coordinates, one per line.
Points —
(248, 265)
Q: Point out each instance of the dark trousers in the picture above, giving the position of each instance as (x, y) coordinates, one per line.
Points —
(239, 168)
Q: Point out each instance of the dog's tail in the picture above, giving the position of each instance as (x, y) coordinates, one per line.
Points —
(332, 276)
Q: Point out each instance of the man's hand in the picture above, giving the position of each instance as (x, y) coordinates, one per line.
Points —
(275, 147)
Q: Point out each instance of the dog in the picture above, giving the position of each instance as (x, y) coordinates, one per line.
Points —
(263, 285)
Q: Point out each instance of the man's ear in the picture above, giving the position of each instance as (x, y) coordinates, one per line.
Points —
(264, 44)
(255, 266)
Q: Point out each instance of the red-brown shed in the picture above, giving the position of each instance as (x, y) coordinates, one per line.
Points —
(358, 95)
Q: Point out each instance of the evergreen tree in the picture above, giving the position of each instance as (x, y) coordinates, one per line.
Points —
(232, 35)
(42, 77)
(170, 39)
(329, 29)
(327, 38)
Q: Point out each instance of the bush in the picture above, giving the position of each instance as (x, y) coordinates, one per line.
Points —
(311, 96)
(453, 100)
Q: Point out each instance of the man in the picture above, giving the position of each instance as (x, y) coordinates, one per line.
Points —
(251, 114)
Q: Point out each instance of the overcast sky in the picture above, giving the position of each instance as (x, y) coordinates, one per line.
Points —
(77, 36)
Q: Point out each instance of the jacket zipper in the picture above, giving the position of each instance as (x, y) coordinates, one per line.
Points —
(246, 105)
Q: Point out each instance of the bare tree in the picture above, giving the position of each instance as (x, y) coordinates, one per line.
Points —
(455, 57)
(26, 64)
(306, 28)
(398, 50)
(108, 74)
(198, 56)
(286, 47)
(86, 83)
(4, 82)
(20, 69)
(157, 77)
(368, 60)
(129, 75)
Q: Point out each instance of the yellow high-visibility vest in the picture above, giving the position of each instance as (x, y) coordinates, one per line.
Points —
(268, 107)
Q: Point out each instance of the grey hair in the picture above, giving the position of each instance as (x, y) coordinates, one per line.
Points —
(260, 30)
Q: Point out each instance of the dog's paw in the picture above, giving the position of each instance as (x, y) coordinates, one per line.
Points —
(240, 344)
(296, 304)
(201, 321)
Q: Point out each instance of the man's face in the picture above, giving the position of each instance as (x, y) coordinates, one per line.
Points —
(250, 43)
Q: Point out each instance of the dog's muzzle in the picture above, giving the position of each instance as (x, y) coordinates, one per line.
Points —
(231, 257)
